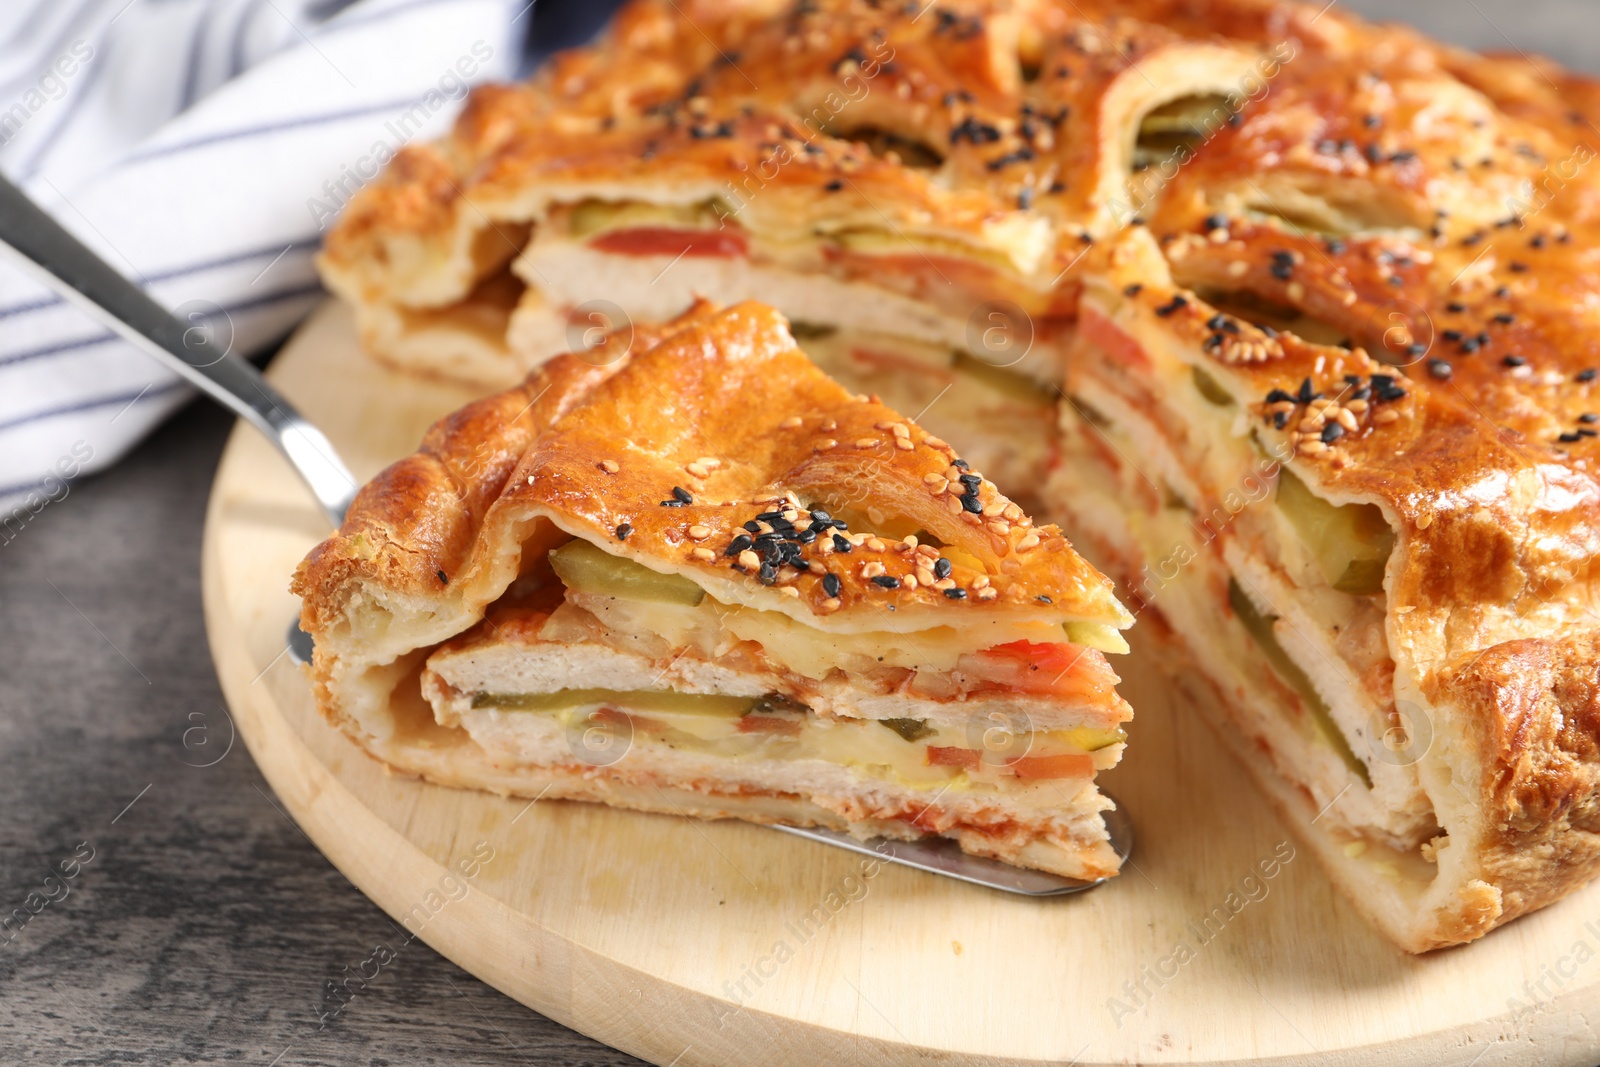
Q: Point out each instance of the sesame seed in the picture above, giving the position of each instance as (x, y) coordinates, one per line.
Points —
(623, 530)
(749, 560)
(830, 605)
(697, 470)
(988, 593)
(791, 423)
(866, 442)
(875, 545)
(904, 445)
(790, 590)
(699, 533)
(1386, 416)
(704, 555)
(826, 445)
(609, 466)
(872, 569)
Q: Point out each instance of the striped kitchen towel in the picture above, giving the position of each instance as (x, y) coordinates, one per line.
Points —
(202, 147)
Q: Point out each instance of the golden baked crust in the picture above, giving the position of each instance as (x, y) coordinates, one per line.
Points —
(665, 454)
(1435, 207)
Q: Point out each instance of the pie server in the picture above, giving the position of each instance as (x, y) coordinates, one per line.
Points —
(60, 261)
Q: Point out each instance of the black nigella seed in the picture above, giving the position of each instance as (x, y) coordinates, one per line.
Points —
(443, 577)
(941, 568)
(1568, 438)
(820, 516)
(1588, 418)
(1307, 393)
(1469, 346)
(768, 574)
(1439, 368)
(972, 504)
(805, 537)
(1133, 290)
(770, 516)
(1415, 349)
(1503, 293)
(971, 481)
(1278, 396)
(1281, 419)
(624, 529)
(1513, 361)
(956, 594)
(792, 554)
(834, 186)
(753, 526)
(1331, 433)
(1041, 598)
(1216, 322)
(736, 546)
(959, 463)
(1268, 330)
(830, 584)
(1334, 247)
(1586, 375)
(1176, 303)
(887, 581)
(841, 543)
(1451, 335)
(1283, 257)
(1216, 222)
(1505, 318)
(1586, 433)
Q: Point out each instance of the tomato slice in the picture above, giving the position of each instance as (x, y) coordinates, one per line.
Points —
(667, 241)
(953, 756)
(1066, 765)
(1060, 669)
(1096, 328)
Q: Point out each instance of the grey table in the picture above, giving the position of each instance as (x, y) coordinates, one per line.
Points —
(201, 926)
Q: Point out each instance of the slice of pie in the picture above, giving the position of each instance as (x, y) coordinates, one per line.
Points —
(705, 579)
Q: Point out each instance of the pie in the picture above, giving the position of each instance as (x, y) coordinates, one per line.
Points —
(1290, 319)
(700, 577)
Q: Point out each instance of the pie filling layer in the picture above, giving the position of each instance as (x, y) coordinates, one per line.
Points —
(994, 737)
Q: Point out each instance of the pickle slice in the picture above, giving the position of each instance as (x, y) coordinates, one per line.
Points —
(589, 569)
(1092, 738)
(908, 729)
(640, 700)
(1211, 389)
(594, 216)
(1351, 542)
(1260, 627)
(1013, 385)
(1182, 123)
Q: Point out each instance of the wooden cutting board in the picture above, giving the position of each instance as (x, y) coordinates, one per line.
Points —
(697, 943)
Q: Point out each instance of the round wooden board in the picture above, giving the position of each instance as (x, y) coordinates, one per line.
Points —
(689, 943)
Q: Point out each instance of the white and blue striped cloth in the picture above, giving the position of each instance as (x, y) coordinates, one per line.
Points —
(201, 147)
